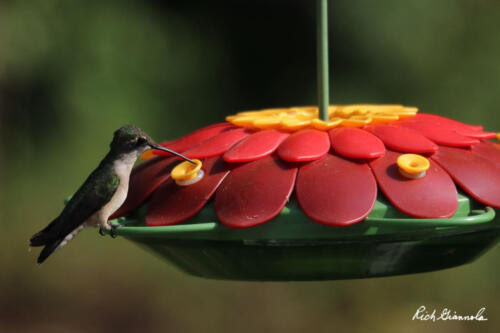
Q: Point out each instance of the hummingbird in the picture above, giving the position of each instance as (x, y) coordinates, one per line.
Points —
(101, 194)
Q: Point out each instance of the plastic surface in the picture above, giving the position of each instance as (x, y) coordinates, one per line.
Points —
(325, 125)
(476, 175)
(186, 170)
(255, 192)
(305, 145)
(480, 135)
(144, 180)
(413, 164)
(335, 191)
(294, 124)
(195, 138)
(295, 260)
(439, 135)
(403, 139)
(489, 151)
(255, 146)
(172, 204)
(291, 247)
(356, 143)
(432, 196)
(302, 117)
(455, 126)
(218, 144)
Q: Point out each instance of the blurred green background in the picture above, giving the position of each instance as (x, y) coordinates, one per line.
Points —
(71, 72)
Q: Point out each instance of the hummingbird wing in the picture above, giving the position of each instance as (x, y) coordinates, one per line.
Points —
(95, 192)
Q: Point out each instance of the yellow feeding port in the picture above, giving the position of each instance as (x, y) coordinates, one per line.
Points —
(413, 165)
(187, 173)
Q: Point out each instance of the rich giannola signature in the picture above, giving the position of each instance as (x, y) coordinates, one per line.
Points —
(448, 314)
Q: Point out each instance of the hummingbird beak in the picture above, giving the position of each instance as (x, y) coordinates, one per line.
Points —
(155, 146)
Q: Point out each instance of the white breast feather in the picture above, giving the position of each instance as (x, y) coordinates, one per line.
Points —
(122, 168)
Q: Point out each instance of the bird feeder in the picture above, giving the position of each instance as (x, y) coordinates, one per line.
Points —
(318, 192)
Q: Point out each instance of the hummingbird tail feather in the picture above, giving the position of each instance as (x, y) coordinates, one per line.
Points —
(38, 239)
(48, 250)
(52, 245)
(43, 237)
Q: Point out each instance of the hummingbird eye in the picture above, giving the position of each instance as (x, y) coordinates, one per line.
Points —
(141, 141)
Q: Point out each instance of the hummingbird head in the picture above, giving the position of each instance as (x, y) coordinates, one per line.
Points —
(129, 139)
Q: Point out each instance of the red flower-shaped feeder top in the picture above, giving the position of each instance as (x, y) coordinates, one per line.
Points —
(255, 161)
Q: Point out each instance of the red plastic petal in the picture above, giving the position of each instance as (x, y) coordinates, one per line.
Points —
(255, 146)
(335, 191)
(433, 196)
(476, 175)
(195, 138)
(305, 145)
(254, 193)
(448, 123)
(403, 139)
(217, 145)
(172, 204)
(440, 135)
(144, 179)
(489, 151)
(356, 143)
(471, 131)
(479, 135)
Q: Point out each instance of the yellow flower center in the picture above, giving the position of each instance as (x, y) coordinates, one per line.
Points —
(296, 118)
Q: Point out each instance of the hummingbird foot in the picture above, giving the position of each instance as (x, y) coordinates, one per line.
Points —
(110, 228)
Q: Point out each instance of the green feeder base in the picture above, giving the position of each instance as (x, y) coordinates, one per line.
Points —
(291, 247)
